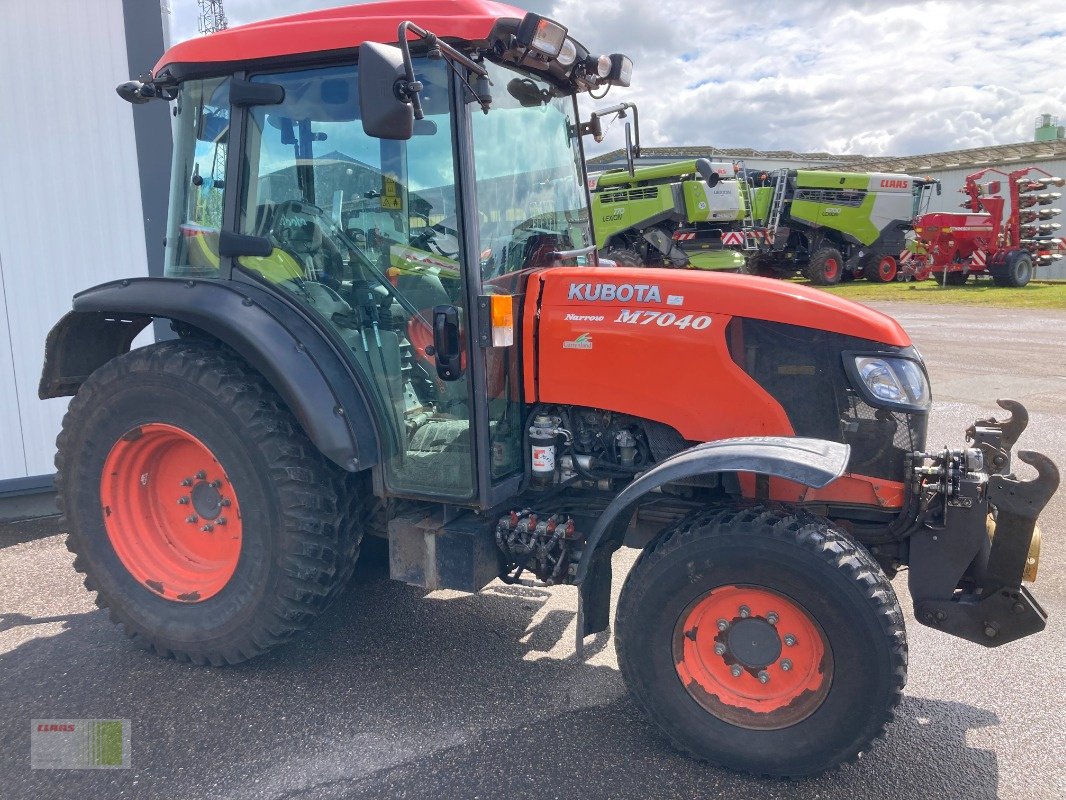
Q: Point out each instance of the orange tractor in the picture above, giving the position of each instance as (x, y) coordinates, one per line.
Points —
(1003, 237)
(389, 322)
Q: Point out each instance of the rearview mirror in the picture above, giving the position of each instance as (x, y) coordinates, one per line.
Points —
(386, 113)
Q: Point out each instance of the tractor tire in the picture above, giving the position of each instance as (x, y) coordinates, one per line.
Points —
(826, 267)
(881, 269)
(951, 278)
(625, 257)
(716, 606)
(1018, 271)
(763, 267)
(197, 509)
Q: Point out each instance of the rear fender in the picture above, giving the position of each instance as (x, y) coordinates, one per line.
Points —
(302, 365)
(810, 462)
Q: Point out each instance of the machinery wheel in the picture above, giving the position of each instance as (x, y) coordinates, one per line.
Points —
(625, 257)
(826, 266)
(881, 269)
(1019, 270)
(951, 278)
(198, 511)
(762, 639)
(763, 266)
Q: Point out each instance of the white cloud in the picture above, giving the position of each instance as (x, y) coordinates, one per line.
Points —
(888, 77)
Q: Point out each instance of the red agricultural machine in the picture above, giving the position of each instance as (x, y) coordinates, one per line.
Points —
(390, 323)
(1004, 234)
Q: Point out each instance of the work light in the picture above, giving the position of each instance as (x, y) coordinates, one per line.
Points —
(541, 34)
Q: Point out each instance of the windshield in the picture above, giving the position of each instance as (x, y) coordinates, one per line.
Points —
(530, 191)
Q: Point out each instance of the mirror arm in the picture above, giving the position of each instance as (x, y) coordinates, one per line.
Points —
(411, 87)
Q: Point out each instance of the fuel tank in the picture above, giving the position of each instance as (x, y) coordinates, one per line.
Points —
(659, 344)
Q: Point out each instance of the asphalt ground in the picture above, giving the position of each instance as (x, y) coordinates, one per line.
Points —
(396, 693)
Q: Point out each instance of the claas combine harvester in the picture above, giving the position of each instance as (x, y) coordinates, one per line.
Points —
(1006, 232)
(389, 322)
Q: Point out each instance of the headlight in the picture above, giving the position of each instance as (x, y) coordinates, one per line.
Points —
(892, 381)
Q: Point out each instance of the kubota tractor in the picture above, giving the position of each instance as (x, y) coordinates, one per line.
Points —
(519, 417)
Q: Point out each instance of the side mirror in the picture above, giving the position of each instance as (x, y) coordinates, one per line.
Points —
(387, 113)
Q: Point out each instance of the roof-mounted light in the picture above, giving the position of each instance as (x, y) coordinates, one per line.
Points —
(567, 53)
(542, 35)
(600, 66)
(621, 70)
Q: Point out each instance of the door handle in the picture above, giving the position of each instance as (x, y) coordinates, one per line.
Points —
(447, 343)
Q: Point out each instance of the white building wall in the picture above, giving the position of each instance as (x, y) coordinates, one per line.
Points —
(953, 180)
(70, 203)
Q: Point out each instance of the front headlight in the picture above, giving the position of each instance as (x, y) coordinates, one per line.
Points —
(892, 381)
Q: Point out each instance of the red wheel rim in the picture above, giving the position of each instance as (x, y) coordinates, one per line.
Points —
(752, 657)
(886, 268)
(171, 513)
(831, 269)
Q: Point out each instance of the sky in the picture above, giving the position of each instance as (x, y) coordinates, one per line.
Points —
(876, 77)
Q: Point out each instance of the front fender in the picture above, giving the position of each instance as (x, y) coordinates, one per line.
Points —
(811, 462)
(280, 342)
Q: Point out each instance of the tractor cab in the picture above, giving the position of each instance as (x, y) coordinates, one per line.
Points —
(388, 191)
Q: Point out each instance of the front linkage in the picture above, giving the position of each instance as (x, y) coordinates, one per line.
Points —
(974, 534)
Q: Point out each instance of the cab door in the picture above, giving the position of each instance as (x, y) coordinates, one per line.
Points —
(363, 234)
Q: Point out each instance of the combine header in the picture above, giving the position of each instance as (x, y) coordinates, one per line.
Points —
(1004, 235)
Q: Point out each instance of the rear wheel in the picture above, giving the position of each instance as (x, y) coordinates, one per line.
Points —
(950, 278)
(763, 640)
(199, 512)
(826, 266)
(881, 269)
(1018, 271)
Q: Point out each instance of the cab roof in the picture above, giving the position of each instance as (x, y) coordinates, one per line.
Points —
(334, 29)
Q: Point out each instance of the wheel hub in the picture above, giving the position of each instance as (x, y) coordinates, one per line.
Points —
(206, 500)
(754, 643)
(163, 494)
(752, 657)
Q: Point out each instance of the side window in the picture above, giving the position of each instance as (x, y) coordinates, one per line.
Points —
(363, 234)
(198, 180)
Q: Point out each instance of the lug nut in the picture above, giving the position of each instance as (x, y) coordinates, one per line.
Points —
(772, 617)
(207, 528)
(722, 624)
(183, 501)
(786, 665)
(736, 670)
(745, 612)
(201, 475)
(790, 640)
(192, 518)
(187, 482)
(220, 521)
(225, 502)
(719, 649)
(764, 676)
(216, 484)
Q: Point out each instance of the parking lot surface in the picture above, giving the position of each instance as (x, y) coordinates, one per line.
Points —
(398, 694)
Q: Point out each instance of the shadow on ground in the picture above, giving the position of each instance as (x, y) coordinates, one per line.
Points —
(393, 694)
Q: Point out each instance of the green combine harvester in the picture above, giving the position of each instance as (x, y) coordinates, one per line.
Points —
(830, 226)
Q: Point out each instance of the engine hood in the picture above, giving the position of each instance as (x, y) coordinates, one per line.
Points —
(690, 292)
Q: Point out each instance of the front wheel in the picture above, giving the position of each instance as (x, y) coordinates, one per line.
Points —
(198, 510)
(762, 639)
(826, 267)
